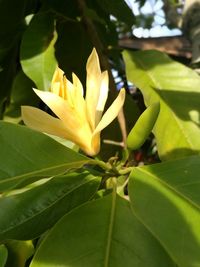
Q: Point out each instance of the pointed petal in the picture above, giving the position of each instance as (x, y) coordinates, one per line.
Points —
(63, 88)
(79, 101)
(76, 101)
(93, 84)
(60, 107)
(55, 88)
(112, 112)
(95, 144)
(58, 83)
(57, 76)
(102, 97)
(43, 122)
(77, 83)
(103, 91)
(70, 93)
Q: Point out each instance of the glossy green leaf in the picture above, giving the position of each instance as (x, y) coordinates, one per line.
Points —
(177, 88)
(37, 50)
(27, 156)
(165, 197)
(19, 252)
(26, 215)
(3, 255)
(100, 233)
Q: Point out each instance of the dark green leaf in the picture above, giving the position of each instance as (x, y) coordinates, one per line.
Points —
(27, 156)
(22, 94)
(64, 9)
(26, 215)
(18, 252)
(37, 50)
(72, 48)
(11, 27)
(11, 23)
(3, 255)
(7, 73)
(119, 9)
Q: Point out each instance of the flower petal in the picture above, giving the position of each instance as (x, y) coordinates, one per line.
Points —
(70, 93)
(43, 122)
(77, 83)
(102, 97)
(55, 88)
(95, 144)
(58, 83)
(112, 112)
(60, 107)
(57, 76)
(79, 101)
(76, 100)
(93, 84)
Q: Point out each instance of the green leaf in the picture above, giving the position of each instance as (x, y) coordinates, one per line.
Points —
(166, 199)
(26, 215)
(11, 24)
(7, 74)
(119, 9)
(11, 29)
(3, 255)
(177, 88)
(19, 252)
(64, 9)
(100, 233)
(37, 50)
(27, 156)
(22, 94)
(72, 48)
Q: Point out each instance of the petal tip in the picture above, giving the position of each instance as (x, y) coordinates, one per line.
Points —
(122, 93)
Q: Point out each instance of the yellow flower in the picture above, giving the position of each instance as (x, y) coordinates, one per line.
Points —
(78, 120)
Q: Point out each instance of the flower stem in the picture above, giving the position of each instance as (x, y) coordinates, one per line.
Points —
(101, 164)
(125, 171)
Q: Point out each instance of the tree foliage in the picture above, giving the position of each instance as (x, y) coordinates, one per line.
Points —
(59, 207)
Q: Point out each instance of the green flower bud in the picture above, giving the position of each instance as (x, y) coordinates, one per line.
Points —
(143, 127)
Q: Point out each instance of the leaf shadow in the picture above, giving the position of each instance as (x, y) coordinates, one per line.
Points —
(185, 105)
(179, 153)
(149, 59)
